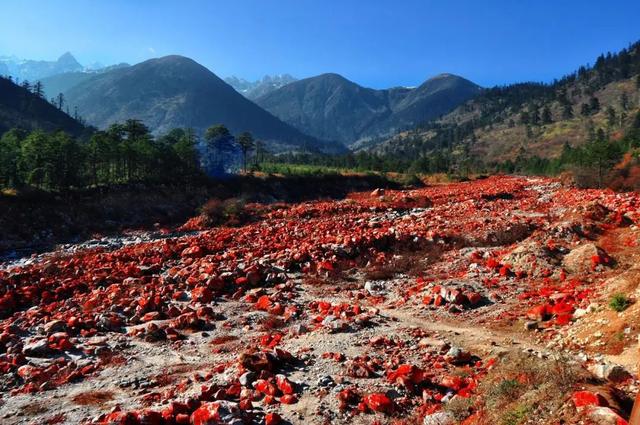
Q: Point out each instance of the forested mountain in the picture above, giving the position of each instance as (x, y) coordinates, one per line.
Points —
(533, 119)
(255, 89)
(175, 91)
(331, 107)
(25, 107)
(33, 70)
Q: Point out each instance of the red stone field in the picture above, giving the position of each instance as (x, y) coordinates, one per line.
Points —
(501, 301)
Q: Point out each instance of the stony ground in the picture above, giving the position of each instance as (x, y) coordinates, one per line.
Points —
(386, 307)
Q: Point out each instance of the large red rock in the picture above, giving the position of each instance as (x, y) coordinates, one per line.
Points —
(540, 312)
(588, 398)
(379, 402)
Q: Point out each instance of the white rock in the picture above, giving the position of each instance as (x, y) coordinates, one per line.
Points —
(374, 288)
(439, 418)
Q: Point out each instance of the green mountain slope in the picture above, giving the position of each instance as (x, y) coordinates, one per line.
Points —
(19, 108)
(331, 107)
(175, 91)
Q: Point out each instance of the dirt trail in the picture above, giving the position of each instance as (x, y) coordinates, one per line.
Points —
(473, 337)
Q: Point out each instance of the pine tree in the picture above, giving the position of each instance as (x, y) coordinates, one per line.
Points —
(611, 116)
(624, 101)
(546, 115)
(59, 101)
(38, 89)
(247, 144)
(219, 150)
(567, 111)
(535, 116)
(594, 105)
(585, 110)
(261, 152)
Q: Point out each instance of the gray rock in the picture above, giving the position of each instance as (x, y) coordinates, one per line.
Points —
(37, 348)
(326, 381)
(55, 326)
(247, 378)
(579, 259)
(299, 329)
(374, 288)
(610, 372)
(457, 355)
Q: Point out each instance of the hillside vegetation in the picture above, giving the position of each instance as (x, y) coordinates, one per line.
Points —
(20, 107)
(534, 119)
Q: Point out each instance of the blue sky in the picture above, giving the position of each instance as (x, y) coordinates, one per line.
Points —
(373, 42)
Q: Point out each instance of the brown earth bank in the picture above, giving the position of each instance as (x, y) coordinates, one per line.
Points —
(35, 221)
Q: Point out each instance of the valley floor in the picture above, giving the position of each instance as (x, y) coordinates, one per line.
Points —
(476, 302)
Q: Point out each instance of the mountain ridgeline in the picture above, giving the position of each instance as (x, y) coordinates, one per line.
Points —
(175, 91)
(331, 107)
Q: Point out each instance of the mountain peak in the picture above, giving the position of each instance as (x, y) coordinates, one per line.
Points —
(68, 59)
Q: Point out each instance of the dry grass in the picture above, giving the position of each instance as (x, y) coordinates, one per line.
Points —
(524, 389)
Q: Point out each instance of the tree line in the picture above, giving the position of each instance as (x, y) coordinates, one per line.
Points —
(591, 162)
(123, 153)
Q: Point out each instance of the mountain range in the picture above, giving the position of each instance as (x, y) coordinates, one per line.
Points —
(32, 70)
(331, 107)
(175, 91)
(323, 113)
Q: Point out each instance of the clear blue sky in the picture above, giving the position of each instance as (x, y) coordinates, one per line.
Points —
(373, 42)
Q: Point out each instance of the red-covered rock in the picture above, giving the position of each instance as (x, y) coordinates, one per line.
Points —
(284, 385)
(379, 402)
(272, 419)
(588, 398)
(539, 312)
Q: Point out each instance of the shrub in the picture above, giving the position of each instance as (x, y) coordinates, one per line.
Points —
(460, 408)
(516, 415)
(506, 389)
(230, 211)
(410, 180)
(519, 385)
(619, 303)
